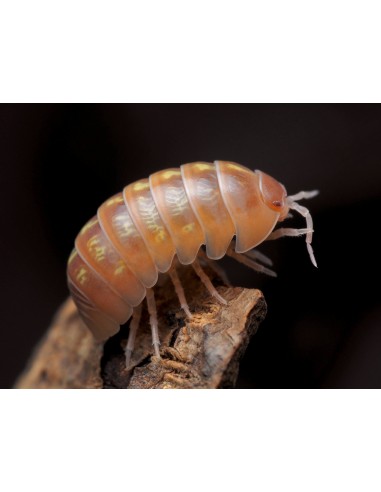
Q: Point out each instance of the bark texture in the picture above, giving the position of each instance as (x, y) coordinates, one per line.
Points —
(200, 353)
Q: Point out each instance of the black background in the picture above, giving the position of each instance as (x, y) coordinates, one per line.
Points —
(59, 162)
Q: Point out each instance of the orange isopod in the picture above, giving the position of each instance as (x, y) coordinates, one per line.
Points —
(137, 233)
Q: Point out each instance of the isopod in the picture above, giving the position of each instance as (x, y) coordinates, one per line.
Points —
(137, 233)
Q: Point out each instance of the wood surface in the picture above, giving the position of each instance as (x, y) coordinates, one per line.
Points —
(203, 352)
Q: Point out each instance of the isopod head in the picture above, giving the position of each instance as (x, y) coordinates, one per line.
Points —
(273, 194)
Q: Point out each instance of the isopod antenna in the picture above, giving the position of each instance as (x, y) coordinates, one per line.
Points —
(293, 205)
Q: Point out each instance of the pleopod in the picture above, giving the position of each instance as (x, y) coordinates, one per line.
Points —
(157, 222)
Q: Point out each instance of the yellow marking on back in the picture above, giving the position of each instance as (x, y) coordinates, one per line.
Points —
(140, 185)
(170, 173)
(188, 228)
(98, 252)
(116, 199)
(239, 168)
(161, 235)
(120, 267)
(154, 228)
(203, 166)
(82, 275)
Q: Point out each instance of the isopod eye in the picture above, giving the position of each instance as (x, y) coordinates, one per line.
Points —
(273, 193)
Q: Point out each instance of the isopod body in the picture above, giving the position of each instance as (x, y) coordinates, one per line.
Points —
(137, 233)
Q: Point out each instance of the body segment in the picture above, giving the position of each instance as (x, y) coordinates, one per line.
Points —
(201, 183)
(173, 205)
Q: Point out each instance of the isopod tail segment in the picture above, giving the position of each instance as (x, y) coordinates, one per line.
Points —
(158, 222)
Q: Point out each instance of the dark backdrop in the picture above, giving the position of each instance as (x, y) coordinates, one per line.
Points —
(59, 162)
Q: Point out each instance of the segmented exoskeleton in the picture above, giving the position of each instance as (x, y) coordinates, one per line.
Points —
(137, 233)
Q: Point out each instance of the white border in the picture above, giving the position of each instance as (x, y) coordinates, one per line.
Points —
(190, 440)
(199, 51)
(204, 51)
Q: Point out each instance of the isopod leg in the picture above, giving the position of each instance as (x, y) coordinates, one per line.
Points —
(179, 291)
(253, 254)
(151, 304)
(241, 258)
(288, 231)
(214, 266)
(134, 325)
(258, 256)
(206, 281)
